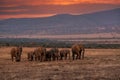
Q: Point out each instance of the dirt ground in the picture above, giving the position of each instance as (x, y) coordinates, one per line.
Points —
(99, 64)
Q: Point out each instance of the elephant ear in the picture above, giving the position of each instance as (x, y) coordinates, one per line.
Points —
(77, 47)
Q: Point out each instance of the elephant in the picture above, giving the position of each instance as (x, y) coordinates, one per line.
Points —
(16, 53)
(64, 53)
(30, 56)
(49, 55)
(40, 53)
(52, 54)
(55, 55)
(78, 50)
(21, 49)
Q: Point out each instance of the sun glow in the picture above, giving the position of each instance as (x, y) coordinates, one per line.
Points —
(25, 8)
(69, 2)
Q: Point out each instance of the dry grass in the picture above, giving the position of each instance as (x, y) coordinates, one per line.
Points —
(99, 64)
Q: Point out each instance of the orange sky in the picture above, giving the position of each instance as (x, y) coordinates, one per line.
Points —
(68, 2)
(41, 8)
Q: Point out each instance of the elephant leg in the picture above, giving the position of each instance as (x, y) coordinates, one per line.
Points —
(65, 57)
(47, 59)
(68, 56)
(73, 55)
(83, 55)
(12, 58)
(31, 58)
(16, 59)
(54, 58)
(44, 58)
(40, 58)
(60, 57)
(28, 57)
(57, 58)
(35, 58)
(79, 55)
(20, 57)
(50, 58)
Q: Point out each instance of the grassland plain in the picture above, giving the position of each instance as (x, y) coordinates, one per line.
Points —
(99, 64)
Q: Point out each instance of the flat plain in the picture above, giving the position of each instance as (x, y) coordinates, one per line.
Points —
(98, 64)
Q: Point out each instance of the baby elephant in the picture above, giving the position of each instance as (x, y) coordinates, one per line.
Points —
(30, 56)
(64, 53)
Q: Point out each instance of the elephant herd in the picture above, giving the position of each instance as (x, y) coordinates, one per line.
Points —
(42, 54)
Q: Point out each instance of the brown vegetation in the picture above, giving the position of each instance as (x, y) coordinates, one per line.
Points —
(98, 64)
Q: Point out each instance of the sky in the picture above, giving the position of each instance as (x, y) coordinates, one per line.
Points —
(44, 8)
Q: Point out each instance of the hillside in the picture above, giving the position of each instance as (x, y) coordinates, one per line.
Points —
(63, 24)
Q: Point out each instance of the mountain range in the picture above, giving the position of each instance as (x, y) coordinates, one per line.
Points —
(63, 24)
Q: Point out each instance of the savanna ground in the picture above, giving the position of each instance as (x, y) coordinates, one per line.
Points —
(99, 64)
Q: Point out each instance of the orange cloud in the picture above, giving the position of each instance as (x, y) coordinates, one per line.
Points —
(25, 16)
(57, 2)
(69, 2)
(41, 8)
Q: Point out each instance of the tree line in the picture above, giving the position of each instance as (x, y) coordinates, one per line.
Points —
(25, 42)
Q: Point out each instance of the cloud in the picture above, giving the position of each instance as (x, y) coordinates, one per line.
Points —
(48, 7)
(54, 2)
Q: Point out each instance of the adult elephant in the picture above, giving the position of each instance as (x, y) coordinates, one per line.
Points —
(20, 49)
(16, 53)
(55, 54)
(52, 54)
(78, 50)
(40, 54)
(64, 53)
(49, 54)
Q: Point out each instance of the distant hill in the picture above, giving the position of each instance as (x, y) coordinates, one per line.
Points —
(63, 24)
